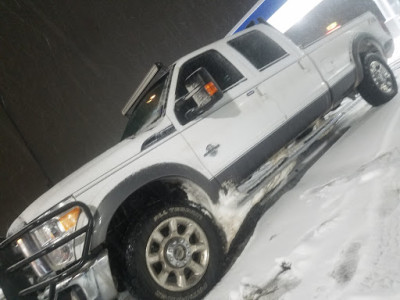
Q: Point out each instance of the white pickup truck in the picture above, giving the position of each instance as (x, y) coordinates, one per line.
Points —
(139, 217)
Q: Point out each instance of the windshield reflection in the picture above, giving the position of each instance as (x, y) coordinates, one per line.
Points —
(149, 110)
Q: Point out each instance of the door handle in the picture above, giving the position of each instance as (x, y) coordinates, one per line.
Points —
(302, 66)
(249, 93)
(211, 150)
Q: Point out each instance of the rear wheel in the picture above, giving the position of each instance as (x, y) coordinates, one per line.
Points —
(173, 253)
(379, 84)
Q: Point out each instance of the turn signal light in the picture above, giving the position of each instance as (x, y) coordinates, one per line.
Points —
(70, 219)
(211, 88)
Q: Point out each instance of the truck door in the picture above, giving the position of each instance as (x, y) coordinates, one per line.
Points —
(287, 77)
(285, 74)
(226, 137)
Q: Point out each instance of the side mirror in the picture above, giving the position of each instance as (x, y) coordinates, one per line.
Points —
(202, 89)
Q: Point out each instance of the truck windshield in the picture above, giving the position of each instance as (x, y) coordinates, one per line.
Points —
(148, 110)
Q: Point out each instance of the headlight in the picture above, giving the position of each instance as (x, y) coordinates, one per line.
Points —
(51, 248)
(52, 231)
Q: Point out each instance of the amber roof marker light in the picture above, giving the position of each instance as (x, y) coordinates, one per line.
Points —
(332, 27)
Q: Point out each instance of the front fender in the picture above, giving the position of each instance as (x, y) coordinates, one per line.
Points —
(113, 200)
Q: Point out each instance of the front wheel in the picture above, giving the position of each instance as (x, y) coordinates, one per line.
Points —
(379, 84)
(173, 253)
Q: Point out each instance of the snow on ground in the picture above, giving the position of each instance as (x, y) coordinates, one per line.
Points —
(336, 234)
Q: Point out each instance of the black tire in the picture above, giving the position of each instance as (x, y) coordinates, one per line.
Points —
(379, 84)
(177, 255)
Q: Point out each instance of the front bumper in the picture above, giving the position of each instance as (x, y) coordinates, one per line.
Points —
(93, 282)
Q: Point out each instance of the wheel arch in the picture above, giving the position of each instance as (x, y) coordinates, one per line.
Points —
(364, 43)
(124, 191)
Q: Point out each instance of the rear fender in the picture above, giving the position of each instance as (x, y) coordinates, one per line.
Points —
(364, 43)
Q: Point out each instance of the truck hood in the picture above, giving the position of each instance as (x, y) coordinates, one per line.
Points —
(98, 167)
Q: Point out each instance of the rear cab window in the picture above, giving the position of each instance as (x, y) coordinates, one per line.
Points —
(258, 49)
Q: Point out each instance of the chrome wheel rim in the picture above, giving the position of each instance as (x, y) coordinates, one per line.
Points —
(177, 254)
(381, 77)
